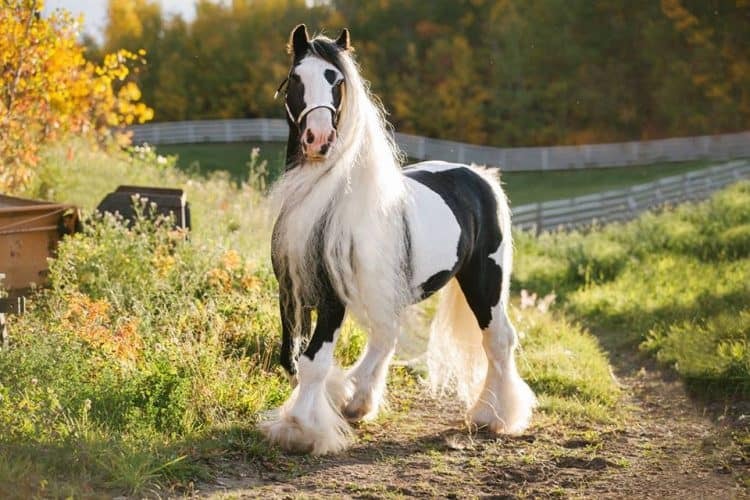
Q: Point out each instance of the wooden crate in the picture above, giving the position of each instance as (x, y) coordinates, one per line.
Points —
(166, 201)
(29, 232)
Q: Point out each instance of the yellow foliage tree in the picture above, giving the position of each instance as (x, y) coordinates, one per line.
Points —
(48, 89)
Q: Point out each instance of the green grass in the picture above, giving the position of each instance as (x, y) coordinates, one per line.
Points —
(677, 284)
(531, 187)
(149, 354)
(522, 187)
(565, 366)
(231, 157)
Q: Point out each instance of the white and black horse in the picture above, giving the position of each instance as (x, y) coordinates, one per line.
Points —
(357, 234)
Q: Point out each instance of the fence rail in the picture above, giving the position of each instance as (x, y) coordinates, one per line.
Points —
(624, 204)
(711, 147)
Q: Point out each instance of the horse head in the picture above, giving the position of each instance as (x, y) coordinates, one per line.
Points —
(313, 92)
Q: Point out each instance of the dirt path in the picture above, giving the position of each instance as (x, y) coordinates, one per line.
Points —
(665, 448)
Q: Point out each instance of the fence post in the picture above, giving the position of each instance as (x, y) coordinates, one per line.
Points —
(227, 133)
(632, 205)
(539, 219)
(684, 184)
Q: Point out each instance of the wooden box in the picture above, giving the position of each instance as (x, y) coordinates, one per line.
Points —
(29, 232)
(166, 201)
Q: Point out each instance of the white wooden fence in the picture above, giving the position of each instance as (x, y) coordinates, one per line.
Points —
(624, 204)
(712, 147)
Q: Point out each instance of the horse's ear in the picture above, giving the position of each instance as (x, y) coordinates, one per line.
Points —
(299, 41)
(343, 41)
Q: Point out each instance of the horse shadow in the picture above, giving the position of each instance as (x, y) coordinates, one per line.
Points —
(265, 463)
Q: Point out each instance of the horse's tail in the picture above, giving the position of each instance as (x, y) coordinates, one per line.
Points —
(456, 359)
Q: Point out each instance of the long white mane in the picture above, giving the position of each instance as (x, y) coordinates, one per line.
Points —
(347, 213)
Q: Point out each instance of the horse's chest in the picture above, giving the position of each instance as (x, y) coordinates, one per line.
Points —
(434, 233)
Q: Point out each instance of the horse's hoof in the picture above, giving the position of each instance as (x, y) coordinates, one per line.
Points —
(505, 410)
(288, 434)
(358, 408)
(354, 414)
(293, 436)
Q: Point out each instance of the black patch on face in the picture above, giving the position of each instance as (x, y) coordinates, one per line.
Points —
(473, 203)
(337, 94)
(295, 95)
(330, 76)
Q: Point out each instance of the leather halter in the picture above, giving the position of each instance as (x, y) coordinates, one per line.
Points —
(297, 121)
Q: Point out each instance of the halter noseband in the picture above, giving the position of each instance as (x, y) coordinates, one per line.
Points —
(310, 108)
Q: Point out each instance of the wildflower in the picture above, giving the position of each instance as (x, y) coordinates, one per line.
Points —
(231, 260)
(527, 300)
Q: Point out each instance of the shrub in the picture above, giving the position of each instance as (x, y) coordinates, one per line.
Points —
(708, 352)
(735, 241)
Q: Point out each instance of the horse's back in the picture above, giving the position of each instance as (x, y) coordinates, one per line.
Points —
(452, 215)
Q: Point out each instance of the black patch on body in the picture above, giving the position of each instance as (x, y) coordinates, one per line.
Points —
(474, 206)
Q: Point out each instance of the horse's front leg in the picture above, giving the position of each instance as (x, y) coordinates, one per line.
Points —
(368, 376)
(293, 327)
(310, 420)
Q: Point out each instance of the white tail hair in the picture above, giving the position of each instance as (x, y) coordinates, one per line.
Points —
(456, 359)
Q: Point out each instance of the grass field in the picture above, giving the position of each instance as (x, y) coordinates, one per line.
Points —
(150, 358)
(522, 187)
(676, 284)
(230, 156)
(149, 353)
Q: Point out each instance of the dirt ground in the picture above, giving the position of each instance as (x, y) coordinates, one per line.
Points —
(668, 446)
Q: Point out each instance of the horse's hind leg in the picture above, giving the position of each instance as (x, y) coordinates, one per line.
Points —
(506, 401)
